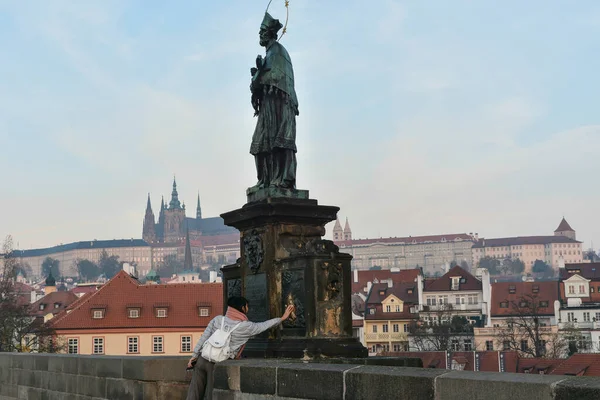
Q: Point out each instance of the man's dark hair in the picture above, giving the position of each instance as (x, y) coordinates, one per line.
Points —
(237, 302)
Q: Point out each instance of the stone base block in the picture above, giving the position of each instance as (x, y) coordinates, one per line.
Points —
(304, 348)
(256, 194)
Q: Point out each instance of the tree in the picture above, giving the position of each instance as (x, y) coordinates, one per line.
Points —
(87, 269)
(109, 265)
(50, 266)
(19, 331)
(375, 268)
(170, 266)
(525, 332)
(510, 266)
(540, 267)
(439, 329)
(465, 265)
(491, 264)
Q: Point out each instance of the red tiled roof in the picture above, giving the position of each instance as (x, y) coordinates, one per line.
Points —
(564, 226)
(357, 323)
(501, 292)
(579, 364)
(522, 240)
(62, 299)
(586, 270)
(537, 365)
(406, 240)
(397, 276)
(399, 290)
(444, 282)
(85, 289)
(123, 290)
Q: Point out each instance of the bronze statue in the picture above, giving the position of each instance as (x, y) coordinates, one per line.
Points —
(276, 106)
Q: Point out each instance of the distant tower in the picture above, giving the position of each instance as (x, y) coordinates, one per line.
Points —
(50, 284)
(174, 220)
(187, 263)
(160, 227)
(149, 230)
(338, 233)
(198, 209)
(564, 229)
(347, 231)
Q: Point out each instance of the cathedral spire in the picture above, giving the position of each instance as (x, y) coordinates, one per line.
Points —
(174, 203)
(347, 231)
(162, 203)
(149, 230)
(338, 233)
(198, 209)
(187, 263)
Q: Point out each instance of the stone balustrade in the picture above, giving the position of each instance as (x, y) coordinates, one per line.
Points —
(75, 377)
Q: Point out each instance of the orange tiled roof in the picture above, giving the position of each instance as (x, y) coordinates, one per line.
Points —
(61, 299)
(579, 364)
(123, 291)
(501, 292)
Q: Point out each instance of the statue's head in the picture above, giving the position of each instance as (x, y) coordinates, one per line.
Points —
(268, 29)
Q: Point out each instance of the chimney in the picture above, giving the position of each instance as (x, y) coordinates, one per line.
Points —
(33, 296)
(390, 282)
(355, 273)
(369, 284)
(212, 276)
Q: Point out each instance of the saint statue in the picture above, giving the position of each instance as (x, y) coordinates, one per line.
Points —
(276, 106)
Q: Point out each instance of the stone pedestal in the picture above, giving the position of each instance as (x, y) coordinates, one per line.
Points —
(284, 260)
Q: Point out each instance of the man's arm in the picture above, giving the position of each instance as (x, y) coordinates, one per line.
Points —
(207, 333)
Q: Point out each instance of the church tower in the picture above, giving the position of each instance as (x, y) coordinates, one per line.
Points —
(338, 233)
(564, 229)
(149, 230)
(198, 209)
(187, 262)
(347, 231)
(174, 218)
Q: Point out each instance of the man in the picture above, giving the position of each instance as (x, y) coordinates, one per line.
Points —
(275, 103)
(201, 385)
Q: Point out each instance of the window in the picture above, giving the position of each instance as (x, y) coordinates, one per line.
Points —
(455, 345)
(186, 344)
(586, 317)
(385, 328)
(372, 311)
(98, 314)
(204, 312)
(398, 308)
(98, 345)
(536, 288)
(388, 308)
(134, 313)
(397, 347)
(56, 305)
(506, 345)
(523, 303)
(468, 345)
(524, 345)
(73, 345)
(443, 300)
(430, 300)
(374, 328)
(157, 344)
(161, 312)
(570, 317)
(544, 303)
(406, 328)
(42, 306)
(133, 345)
(598, 316)
(571, 289)
(581, 289)
(512, 289)
(396, 328)
(489, 345)
(504, 304)
(455, 283)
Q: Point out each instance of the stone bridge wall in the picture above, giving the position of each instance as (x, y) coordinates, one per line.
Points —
(71, 377)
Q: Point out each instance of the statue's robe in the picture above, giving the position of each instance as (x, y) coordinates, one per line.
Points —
(274, 140)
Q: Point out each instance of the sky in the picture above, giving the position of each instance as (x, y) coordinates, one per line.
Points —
(416, 118)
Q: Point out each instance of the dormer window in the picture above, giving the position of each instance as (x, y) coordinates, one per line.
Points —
(372, 311)
(42, 306)
(455, 283)
(161, 313)
(512, 289)
(388, 308)
(56, 305)
(544, 303)
(133, 312)
(536, 289)
(98, 314)
(204, 312)
(504, 304)
(382, 292)
(410, 291)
